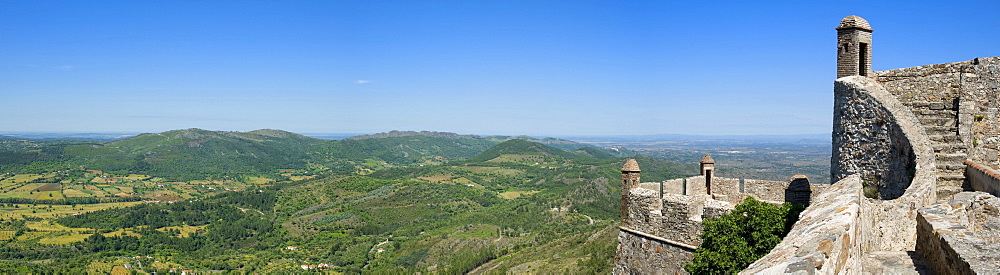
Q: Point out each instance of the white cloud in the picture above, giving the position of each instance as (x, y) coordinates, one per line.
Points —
(362, 81)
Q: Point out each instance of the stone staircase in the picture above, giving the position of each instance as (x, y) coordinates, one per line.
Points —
(940, 121)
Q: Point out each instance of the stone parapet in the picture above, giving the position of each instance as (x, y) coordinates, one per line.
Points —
(642, 253)
(660, 231)
(877, 137)
(726, 186)
(696, 186)
(661, 222)
(960, 236)
(734, 190)
(824, 240)
(674, 186)
(766, 190)
(643, 211)
(982, 178)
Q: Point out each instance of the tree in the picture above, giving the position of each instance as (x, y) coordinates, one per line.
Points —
(733, 241)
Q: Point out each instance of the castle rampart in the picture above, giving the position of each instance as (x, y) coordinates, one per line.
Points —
(662, 222)
(879, 139)
(825, 240)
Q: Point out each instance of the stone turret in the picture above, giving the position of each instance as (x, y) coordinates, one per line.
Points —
(707, 169)
(707, 164)
(630, 174)
(630, 180)
(854, 47)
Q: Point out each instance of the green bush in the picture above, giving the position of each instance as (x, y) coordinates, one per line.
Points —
(733, 241)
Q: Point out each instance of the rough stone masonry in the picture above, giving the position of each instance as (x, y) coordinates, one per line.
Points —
(914, 161)
(661, 222)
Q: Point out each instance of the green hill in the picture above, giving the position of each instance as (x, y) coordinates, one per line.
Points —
(524, 148)
(410, 149)
(196, 154)
(193, 154)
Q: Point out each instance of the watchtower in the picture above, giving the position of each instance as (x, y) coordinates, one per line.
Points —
(630, 174)
(854, 47)
(630, 180)
(707, 169)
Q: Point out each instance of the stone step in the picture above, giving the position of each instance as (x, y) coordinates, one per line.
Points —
(956, 151)
(941, 130)
(949, 147)
(951, 171)
(940, 171)
(894, 262)
(941, 127)
(951, 178)
(937, 121)
(936, 113)
(941, 106)
(950, 157)
(944, 138)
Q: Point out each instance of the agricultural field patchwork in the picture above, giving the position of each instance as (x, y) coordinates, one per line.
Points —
(62, 185)
(510, 195)
(44, 211)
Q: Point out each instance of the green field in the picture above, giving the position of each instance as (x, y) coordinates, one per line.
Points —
(510, 195)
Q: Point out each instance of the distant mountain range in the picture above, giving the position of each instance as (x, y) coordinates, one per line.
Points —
(193, 153)
(394, 133)
(826, 137)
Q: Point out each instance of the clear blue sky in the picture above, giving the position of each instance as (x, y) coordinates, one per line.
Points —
(471, 67)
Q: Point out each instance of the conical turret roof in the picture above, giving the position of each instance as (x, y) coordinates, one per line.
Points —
(854, 22)
(707, 159)
(630, 166)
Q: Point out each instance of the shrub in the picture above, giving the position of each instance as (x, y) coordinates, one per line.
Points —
(733, 241)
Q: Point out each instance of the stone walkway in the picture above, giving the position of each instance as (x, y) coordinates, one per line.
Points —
(894, 262)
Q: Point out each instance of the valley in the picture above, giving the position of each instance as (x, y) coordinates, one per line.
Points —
(273, 201)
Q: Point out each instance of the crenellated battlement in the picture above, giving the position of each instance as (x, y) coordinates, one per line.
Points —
(661, 222)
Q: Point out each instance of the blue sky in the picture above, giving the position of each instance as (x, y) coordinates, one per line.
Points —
(471, 67)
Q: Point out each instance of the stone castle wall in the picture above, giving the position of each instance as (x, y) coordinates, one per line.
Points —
(876, 138)
(728, 187)
(868, 137)
(660, 234)
(961, 236)
(825, 240)
(662, 221)
(983, 178)
(674, 186)
(766, 190)
(955, 104)
(733, 190)
(882, 140)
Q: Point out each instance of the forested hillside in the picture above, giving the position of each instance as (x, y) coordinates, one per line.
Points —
(194, 154)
